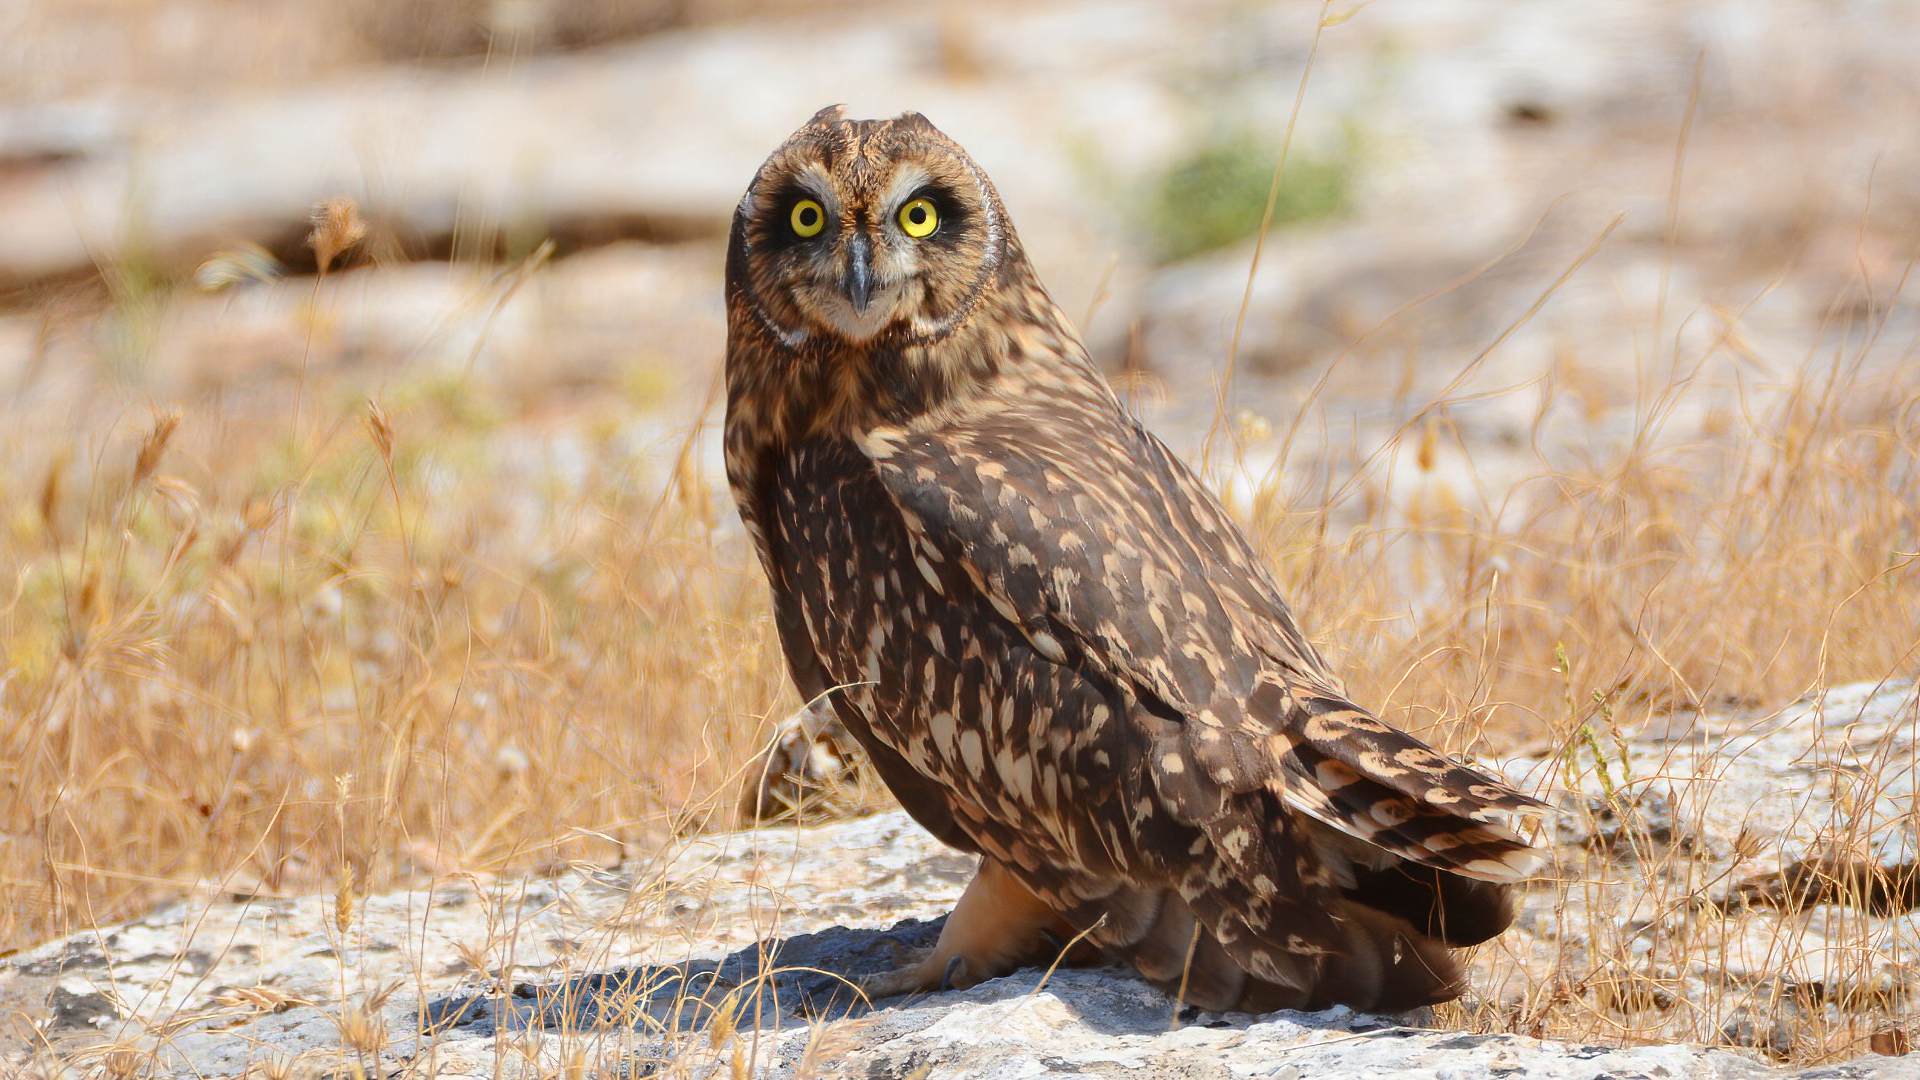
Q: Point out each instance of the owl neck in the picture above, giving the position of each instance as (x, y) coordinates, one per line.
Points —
(818, 388)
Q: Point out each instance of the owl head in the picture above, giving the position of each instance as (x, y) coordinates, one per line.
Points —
(866, 232)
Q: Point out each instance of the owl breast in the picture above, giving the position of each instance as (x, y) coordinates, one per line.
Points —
(998, 732)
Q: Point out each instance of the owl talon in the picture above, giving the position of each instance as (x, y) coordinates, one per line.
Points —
(911, 978)
(992, 930)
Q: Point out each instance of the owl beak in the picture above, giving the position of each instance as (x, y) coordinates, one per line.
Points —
(859, 279)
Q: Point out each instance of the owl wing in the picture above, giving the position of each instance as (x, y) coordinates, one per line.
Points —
(1077, 526)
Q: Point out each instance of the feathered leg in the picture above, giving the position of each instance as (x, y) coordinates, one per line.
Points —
(998, 925)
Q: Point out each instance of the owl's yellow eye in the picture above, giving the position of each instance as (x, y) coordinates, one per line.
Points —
(808, 218)
(918, 218)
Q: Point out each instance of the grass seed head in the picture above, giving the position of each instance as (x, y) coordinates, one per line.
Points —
(337, 227)
(154, 446)
(343, 901)
(380, 427)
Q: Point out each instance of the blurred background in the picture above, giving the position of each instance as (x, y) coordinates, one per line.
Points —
(1576, 383)
(1134, 144)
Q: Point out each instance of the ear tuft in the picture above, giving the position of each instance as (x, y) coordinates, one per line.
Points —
(915, 121)
(828, 116)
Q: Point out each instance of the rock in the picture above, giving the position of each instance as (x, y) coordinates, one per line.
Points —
(1759, 792)
(1754, 867)
(536, 328)
(732, 946)
(214, 985)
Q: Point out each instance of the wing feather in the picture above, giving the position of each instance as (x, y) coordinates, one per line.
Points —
(1082, 530)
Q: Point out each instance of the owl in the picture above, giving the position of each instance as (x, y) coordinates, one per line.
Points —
(1056, 648)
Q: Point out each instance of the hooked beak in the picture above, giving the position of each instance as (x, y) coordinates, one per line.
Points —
(859, 279)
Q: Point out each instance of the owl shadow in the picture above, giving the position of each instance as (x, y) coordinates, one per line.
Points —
(806, 976)
(803, 978)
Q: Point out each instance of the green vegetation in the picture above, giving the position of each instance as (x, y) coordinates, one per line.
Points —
(1213, 196)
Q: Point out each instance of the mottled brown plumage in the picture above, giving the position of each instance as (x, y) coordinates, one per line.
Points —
(1055, 646)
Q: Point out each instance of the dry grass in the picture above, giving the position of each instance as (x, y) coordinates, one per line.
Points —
(308, 641)
(287, 640)
(1760, 561)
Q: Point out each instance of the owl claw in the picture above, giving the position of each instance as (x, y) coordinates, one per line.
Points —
(921, 978)
(909, 979)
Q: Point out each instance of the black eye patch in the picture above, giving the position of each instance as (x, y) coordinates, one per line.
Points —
(774, 229)
(952, 213)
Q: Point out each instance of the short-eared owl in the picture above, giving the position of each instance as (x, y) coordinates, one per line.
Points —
(1055, 646)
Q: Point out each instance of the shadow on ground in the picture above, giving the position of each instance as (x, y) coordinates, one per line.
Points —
(805, 977)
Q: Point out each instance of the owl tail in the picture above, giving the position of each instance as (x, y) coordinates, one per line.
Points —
(1378, 856)
(1375, 960)
(1342, 767)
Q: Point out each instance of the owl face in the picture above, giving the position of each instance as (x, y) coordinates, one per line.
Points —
(866, 232)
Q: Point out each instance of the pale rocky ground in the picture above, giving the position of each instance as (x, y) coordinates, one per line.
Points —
(634, 966)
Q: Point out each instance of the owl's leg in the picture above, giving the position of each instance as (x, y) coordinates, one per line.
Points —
(998, 925)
